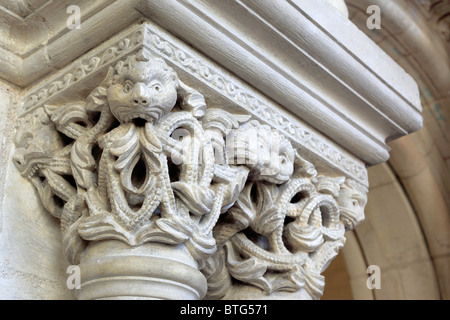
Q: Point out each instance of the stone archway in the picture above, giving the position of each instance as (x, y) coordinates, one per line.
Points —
(409, 195)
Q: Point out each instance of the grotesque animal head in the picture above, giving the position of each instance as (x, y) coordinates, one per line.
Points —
(37, 142)
(352, 200)
(142, 88)
(268, 154)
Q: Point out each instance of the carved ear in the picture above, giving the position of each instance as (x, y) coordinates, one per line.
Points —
(304, 167)
(192, 100)
(97, 98)
(143, 56)
(329, 185)
(109, 78)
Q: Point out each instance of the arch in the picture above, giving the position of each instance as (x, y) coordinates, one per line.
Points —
(407, 226)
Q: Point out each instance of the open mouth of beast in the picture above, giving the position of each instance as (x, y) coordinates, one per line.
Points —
(29, 168)
(140, 117)
(348, 218)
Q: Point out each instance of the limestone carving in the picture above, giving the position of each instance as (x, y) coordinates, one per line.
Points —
(143, 160)
(199, 68)
(282, 233)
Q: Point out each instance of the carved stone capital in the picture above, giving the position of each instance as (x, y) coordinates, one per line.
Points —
(166, 171)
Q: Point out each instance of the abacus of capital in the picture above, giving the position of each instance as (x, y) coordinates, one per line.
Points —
(210, 149)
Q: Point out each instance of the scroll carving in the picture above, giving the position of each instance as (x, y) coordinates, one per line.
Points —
(144, 160)
(285, 227)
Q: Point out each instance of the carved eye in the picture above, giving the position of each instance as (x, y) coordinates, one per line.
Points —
(355, 203)
(156, 86)
(128, 86)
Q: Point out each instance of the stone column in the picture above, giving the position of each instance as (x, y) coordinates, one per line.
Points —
(179, 172)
